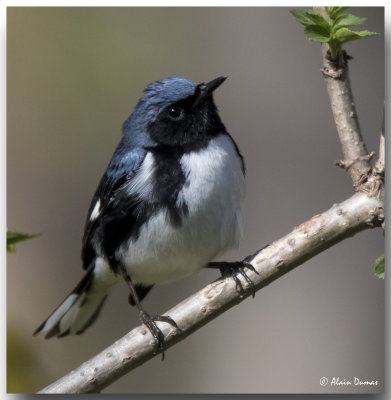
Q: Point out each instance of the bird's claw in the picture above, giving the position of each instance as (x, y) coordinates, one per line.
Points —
(156, 333)
(233, 268)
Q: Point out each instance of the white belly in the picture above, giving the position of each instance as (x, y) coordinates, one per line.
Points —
(213, 193)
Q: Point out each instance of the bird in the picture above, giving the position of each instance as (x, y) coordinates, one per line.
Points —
(167, 205)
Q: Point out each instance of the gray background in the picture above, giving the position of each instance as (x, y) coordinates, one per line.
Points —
(74, 75)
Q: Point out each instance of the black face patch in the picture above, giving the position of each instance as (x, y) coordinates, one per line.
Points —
(192, 130)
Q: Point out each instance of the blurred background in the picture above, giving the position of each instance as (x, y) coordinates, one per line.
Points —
(74, 75)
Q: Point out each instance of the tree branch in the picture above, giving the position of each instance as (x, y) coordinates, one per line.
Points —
(356, 157)
(341, 221)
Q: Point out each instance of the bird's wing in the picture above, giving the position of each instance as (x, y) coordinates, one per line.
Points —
(121, 169)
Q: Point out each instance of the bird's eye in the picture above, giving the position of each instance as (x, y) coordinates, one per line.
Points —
(175, 113)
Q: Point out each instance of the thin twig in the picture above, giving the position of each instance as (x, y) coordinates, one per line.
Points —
(356, 157)
(380, 163)
(309, 239)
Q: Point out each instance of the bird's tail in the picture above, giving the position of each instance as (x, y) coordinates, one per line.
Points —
(81, 307)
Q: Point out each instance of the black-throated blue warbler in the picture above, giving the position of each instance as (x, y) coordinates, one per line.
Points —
(168, 203)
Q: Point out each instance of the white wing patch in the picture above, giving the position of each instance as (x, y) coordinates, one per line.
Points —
(96, 211)
(141, 185)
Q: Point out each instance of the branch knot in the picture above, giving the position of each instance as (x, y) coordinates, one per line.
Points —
(346, 164)
(330, 72)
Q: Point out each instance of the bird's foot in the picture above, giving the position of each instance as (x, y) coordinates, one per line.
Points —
(232, 269)
(157, 334)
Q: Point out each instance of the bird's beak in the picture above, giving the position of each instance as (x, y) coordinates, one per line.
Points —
(204, 90)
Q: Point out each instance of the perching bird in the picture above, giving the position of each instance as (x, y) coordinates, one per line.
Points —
(168, 203)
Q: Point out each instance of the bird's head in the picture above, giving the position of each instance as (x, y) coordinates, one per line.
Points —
(177, 112)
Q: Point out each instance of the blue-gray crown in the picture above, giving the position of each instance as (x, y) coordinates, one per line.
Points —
(157, 96)
(169, 90)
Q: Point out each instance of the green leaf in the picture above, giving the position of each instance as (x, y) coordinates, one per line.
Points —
(301, 16)
(334, 12)
(348, 20)
(15, 237)
(308, 17)
(333, 30)
(379, 267)
(317, 33)
(344, 35)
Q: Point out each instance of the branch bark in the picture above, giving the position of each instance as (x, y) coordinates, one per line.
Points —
(341, 221)
(356, 157)
(379, 167)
